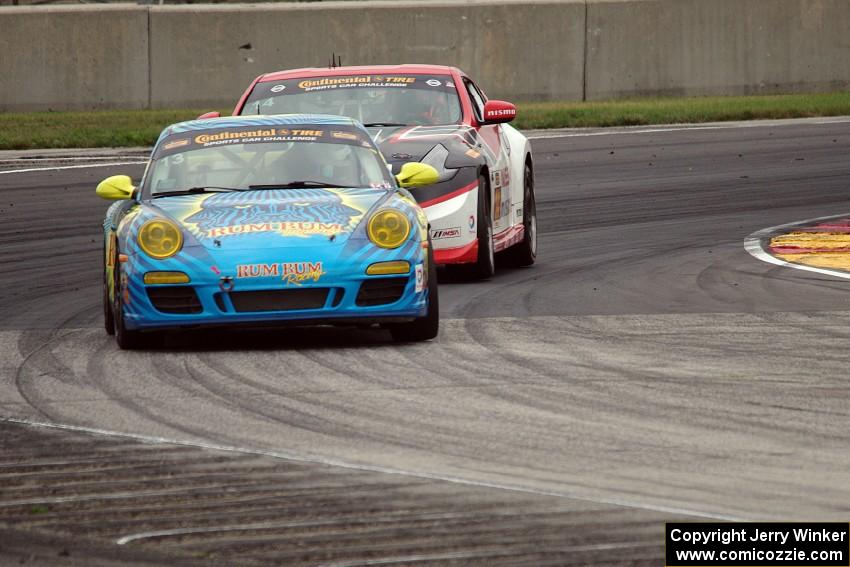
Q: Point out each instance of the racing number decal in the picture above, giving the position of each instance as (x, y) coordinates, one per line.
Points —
(499, 181)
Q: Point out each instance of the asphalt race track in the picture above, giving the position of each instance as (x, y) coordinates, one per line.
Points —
(646, 369)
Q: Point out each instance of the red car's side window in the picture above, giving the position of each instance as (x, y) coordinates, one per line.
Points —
(477, 99)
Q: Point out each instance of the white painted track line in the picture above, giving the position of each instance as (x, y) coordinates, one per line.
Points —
(64, 158)
(531, 134)
(81, 166)
(660, 128)
(290, 456)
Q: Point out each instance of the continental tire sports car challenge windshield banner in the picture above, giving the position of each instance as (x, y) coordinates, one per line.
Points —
(337, 134)
(313, 84)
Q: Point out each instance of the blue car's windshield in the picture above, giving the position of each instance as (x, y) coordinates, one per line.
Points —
(405, 100)
(265, 157)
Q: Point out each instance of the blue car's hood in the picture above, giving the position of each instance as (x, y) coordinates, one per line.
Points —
(270, 218)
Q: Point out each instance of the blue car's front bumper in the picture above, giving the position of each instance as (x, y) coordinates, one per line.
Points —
(210, 299)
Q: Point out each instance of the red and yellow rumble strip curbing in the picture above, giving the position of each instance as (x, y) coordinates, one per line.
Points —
(824, 245)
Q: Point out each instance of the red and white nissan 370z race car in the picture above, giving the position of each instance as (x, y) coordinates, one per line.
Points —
(484, 201)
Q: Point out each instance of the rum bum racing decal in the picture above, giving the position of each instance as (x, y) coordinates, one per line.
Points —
(290, 272)
(289, 212)
(283, 228)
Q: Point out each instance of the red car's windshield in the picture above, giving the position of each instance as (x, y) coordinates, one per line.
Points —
(412, 100)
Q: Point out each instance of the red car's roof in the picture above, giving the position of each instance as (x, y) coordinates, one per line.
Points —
(383, 69)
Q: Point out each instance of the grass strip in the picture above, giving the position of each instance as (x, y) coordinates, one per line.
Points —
(89, 129)
(644, 111)
(122, 128)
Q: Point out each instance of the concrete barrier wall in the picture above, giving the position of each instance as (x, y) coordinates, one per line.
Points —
(64, 58)
(694, 47)
(203, 55)
(129, 56)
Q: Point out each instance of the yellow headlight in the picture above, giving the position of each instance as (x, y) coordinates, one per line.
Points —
(388, 228)
(160, 238)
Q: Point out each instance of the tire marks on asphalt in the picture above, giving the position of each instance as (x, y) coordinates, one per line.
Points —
(604, 396)
(646, 361)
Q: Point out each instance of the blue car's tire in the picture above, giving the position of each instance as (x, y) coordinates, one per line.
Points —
(126, 339)
(427, 327)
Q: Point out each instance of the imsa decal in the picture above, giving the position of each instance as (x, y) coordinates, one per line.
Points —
(441, 233)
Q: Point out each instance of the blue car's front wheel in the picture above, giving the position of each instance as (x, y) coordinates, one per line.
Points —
(427, 327)
(126, 339)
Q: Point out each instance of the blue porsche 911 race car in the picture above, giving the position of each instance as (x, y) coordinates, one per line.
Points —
(268, 220)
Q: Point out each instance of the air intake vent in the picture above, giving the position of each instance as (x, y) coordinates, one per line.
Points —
(175, 299)
(381, 291)
(279, 299)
